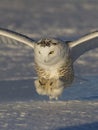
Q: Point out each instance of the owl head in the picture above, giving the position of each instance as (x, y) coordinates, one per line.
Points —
(50, 51)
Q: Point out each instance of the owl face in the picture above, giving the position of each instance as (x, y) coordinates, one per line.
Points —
(49, 51)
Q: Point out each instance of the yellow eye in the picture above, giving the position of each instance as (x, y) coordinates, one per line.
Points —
(51, 52)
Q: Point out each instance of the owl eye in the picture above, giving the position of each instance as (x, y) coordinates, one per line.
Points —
(51, 52)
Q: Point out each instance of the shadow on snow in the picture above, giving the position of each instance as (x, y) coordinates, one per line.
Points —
(18, 90)
(88, 126)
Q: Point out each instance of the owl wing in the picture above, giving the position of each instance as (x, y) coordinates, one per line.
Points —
(7, 35)
(85, 43)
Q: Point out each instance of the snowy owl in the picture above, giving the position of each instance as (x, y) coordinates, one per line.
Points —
(54, 60)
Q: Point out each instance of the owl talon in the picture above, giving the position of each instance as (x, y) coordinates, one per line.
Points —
(39, 89)
(51, 97)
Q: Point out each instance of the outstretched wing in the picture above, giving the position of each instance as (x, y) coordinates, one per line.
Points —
(16, 36)
(86, 43)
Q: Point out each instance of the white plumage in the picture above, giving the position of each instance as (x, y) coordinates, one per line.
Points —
(54, 67)
(54, 60)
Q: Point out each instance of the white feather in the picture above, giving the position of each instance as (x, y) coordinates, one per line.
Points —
(80, 46)
(17, 36)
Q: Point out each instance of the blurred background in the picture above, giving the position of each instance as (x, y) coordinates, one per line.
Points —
(21, 108)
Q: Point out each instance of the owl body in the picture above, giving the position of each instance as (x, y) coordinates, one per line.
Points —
(53, 59)
(53, 66)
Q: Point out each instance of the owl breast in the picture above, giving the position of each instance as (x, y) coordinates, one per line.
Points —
(63, 71)
(47, 72)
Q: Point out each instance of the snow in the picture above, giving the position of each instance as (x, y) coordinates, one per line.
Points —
(21, 108)
(49, 115)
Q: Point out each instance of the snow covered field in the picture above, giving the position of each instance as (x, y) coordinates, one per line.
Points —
(20, 106)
